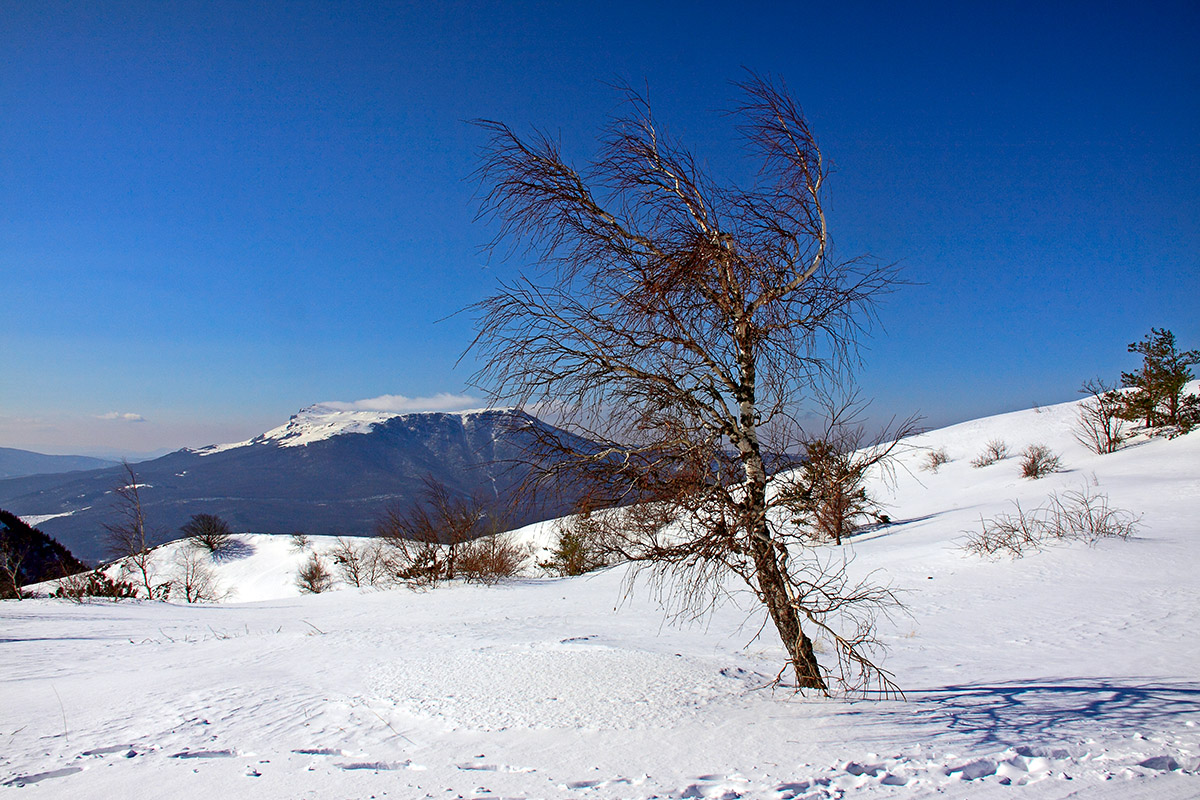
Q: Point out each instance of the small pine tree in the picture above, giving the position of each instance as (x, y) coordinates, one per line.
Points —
(1158, 396)
(577, 546)
(830, 494)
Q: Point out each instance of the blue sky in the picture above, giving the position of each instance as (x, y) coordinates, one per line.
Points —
(213, 214)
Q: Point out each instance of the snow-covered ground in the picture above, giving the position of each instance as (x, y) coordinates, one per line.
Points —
(1071, 672)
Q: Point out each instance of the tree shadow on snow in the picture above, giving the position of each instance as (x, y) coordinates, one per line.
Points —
(879, 530)
(1015, 713)
(234, 550)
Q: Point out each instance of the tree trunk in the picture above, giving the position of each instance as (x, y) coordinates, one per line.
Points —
(772, 588)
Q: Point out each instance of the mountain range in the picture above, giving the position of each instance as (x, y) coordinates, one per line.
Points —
(324, 471)
(19, 463)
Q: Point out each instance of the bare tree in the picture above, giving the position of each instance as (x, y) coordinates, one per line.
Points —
(678, 324)
(209, 532)
(128, 539)
(13, 553)
(196, 582)
(1100, 426)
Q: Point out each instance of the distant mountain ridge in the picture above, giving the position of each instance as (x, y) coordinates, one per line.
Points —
(16, 463)
(325, 471)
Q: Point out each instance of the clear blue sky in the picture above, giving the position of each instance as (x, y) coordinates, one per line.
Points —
(213, 213)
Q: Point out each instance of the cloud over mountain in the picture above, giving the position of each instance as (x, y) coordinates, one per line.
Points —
(398, 403)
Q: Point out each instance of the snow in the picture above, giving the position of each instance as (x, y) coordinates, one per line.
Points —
(33, 520)
(1067, 673)
(318, 422)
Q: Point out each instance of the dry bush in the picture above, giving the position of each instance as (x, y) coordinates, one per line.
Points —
(1086, 515)
(427, 539)
(197, 582)
(1013, 534)
(1076, 515)
(208, 532)
(300, 542)
(492, 559)
(934, 459)
(1038, 461)
(364, 562)
(81, 585)
(994, 451)
(1099, 425)
(314, 577)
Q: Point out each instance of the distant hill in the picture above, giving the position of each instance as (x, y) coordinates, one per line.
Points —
(18, 463)
(323, 472)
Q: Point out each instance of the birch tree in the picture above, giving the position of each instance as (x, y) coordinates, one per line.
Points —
(675, 324)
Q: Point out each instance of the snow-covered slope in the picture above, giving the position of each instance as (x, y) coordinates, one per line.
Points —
(319, 422)
(1068, 673)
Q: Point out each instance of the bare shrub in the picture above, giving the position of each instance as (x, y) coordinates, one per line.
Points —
(1099, 425)
(208, 532)
(81, 585)
(492, 559)
(1038, 461)
(197, 582)
(300, 542)
(1086, 515)
(428, 537)
(364, 562)
(314, 577)
(934, 460)
(1013, 534)
(994, 451)
(1077, 515)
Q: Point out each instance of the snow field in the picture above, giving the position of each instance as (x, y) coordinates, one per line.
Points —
(1068, 673)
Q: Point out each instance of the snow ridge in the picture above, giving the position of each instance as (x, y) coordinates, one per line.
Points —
(321, 421)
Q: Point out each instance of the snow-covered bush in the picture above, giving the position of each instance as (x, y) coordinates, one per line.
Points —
(994, 451)
(366, 562)
(1038, 461)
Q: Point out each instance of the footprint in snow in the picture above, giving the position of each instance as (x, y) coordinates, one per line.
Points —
(127, 749)
(38, 777)
(203, 754)
(375, 766)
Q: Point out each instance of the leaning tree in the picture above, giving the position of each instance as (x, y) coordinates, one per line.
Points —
(674, 325)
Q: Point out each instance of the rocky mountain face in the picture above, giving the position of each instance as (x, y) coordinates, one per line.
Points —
(324, 472)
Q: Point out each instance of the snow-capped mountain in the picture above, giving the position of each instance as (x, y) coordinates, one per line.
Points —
(324, 471)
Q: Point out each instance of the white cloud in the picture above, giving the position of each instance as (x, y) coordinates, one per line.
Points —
(119, 417)
(398, 403)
